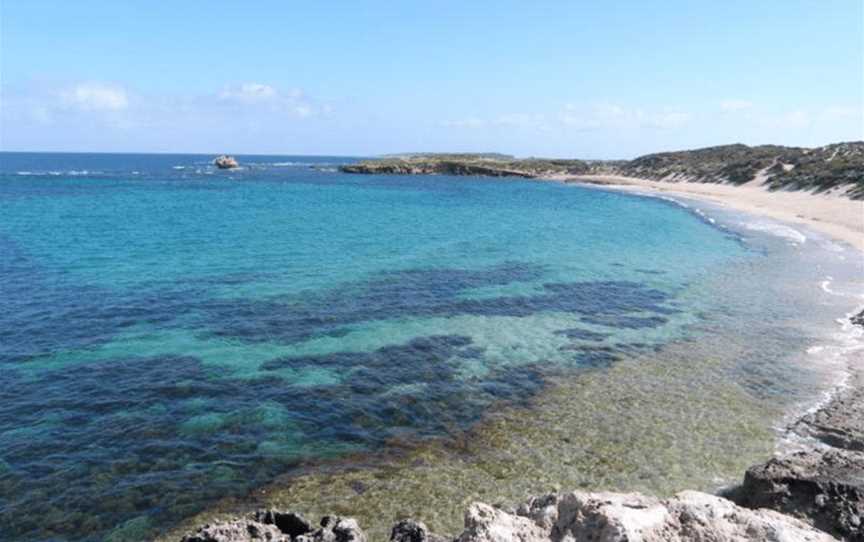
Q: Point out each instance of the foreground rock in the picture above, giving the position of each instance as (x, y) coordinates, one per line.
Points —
(276, 526)
(571, 517)
(226, 162)
(825, 487)
(619, 517)
(824, 484)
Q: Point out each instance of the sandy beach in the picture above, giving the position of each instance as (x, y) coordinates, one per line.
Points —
(834, 215)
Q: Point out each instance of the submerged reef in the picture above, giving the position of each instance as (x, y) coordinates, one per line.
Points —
(815, 495)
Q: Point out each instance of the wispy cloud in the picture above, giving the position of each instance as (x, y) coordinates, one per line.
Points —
(95, 97)
(614, 116)
(292, 101)
(248, 93)
(734, 106)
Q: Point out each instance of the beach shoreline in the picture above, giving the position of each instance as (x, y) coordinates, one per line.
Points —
(834, 215)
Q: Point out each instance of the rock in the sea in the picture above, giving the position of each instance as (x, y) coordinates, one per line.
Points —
(277, 526)
(620, 517)
(226, 162)
(826, 487)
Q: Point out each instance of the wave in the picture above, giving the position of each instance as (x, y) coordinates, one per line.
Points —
(778, 230)
(71, 172)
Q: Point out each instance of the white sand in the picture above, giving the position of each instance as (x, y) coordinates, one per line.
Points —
(832, 214)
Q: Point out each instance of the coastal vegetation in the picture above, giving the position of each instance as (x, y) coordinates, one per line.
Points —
(838, 166)
(469, 164)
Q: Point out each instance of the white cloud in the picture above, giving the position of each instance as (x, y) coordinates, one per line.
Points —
(794, 119)
(667, 120)
(248, 93)
(522, 120)
(292, 101)
(95, 97)
(734, 106)
(470, 122)
(843, 112)
(613, 116)
(594, 117)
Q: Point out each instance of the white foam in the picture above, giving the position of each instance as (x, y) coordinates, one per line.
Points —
(778, 230)
(838, 358)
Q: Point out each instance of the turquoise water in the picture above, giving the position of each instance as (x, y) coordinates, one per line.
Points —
(171, 334)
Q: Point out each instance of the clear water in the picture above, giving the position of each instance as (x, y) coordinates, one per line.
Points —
(172, 335)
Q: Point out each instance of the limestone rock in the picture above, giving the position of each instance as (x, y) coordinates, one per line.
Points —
(241, 530)
(631, 517)
(484, 523)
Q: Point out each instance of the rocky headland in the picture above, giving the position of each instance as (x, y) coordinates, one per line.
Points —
(835, 167)
(812, 495)
(489, 165)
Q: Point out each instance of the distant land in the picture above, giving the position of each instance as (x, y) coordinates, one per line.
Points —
(838, 167)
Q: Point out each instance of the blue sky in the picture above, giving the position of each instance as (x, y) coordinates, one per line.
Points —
(575, 79)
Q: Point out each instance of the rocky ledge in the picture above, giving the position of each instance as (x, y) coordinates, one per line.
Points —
(814, 495)
(595, 517)
(824, 484)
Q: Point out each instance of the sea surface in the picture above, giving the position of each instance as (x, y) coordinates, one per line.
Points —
(174, 338)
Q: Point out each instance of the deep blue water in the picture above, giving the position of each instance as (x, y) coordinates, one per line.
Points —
(171, 334)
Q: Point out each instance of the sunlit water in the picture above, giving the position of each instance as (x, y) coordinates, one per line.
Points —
(173, 337)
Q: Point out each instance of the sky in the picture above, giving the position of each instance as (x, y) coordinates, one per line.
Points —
(580, 79)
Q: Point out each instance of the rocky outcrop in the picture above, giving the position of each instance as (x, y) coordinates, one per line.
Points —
(839, 424)
(226, 162)
(824, 484)
(630, 517)
(434, 168)
(570, 517)
(824, 487)
(276, 526)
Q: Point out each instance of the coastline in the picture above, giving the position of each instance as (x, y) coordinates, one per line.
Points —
(836, 216)
(799, 210)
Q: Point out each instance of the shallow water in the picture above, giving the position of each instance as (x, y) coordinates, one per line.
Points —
(171, 335)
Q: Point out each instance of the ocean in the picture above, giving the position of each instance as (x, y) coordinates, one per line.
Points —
(175, 339)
